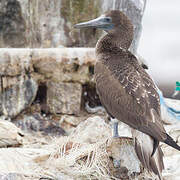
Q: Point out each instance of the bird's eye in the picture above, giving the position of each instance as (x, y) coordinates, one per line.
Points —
(107, 19)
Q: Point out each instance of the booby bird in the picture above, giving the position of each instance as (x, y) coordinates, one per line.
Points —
(125, 89)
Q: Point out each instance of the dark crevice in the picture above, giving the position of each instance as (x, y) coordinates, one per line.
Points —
(91, 70)
(36, 70)
(75, 67)
(90, 96)
(41, 98)
(2, 87)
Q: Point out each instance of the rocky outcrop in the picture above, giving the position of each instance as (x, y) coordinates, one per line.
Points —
(13, 25)
(125, 165)
(55, 78)
(31, 23)
(38, 123)
(12, 176)
(10, 135)
(64, 98)
(16, 98)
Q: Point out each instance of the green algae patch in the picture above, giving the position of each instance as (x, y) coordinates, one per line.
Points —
(76, 11)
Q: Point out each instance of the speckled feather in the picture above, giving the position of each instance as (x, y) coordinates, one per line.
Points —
(127, 91)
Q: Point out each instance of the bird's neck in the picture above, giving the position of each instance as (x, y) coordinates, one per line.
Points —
(116, 39)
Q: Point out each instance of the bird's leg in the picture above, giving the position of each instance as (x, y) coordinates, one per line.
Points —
(115, 133)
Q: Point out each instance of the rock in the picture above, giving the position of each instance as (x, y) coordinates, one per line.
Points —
(18, 97)
(36, 122)
(12, 176)
(82, 154)
(10, 135)
(91, 130)
(125, 161)
(14, 61)
(89, 151)
(7, 82)
(49, 24)
(20, 159)
(74, 66)
(64, 64)
(69, 122)
(26, 163)
(172, 164)
(13, 25)
(61, 64)
(73, 120)
(31, 23)
(64, 98)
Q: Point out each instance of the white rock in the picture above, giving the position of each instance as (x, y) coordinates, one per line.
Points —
(10, 135)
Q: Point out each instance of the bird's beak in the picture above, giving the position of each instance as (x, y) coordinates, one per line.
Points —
(100, 22)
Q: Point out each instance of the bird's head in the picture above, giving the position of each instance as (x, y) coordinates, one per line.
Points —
(109, 21)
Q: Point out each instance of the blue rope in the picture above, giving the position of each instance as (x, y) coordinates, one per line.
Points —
(175, 113)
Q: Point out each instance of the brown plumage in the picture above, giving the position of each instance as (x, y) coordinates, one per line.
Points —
(143, 147)
(125, 89)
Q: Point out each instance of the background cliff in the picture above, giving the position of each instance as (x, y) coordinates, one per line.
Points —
(51, 118)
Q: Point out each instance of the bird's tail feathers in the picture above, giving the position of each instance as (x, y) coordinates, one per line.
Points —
(144, 145)
(171, 142)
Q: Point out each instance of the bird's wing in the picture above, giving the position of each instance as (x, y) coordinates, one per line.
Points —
(150, 87)
(128, 93)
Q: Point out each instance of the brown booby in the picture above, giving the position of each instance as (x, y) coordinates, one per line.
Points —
(125, 89)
